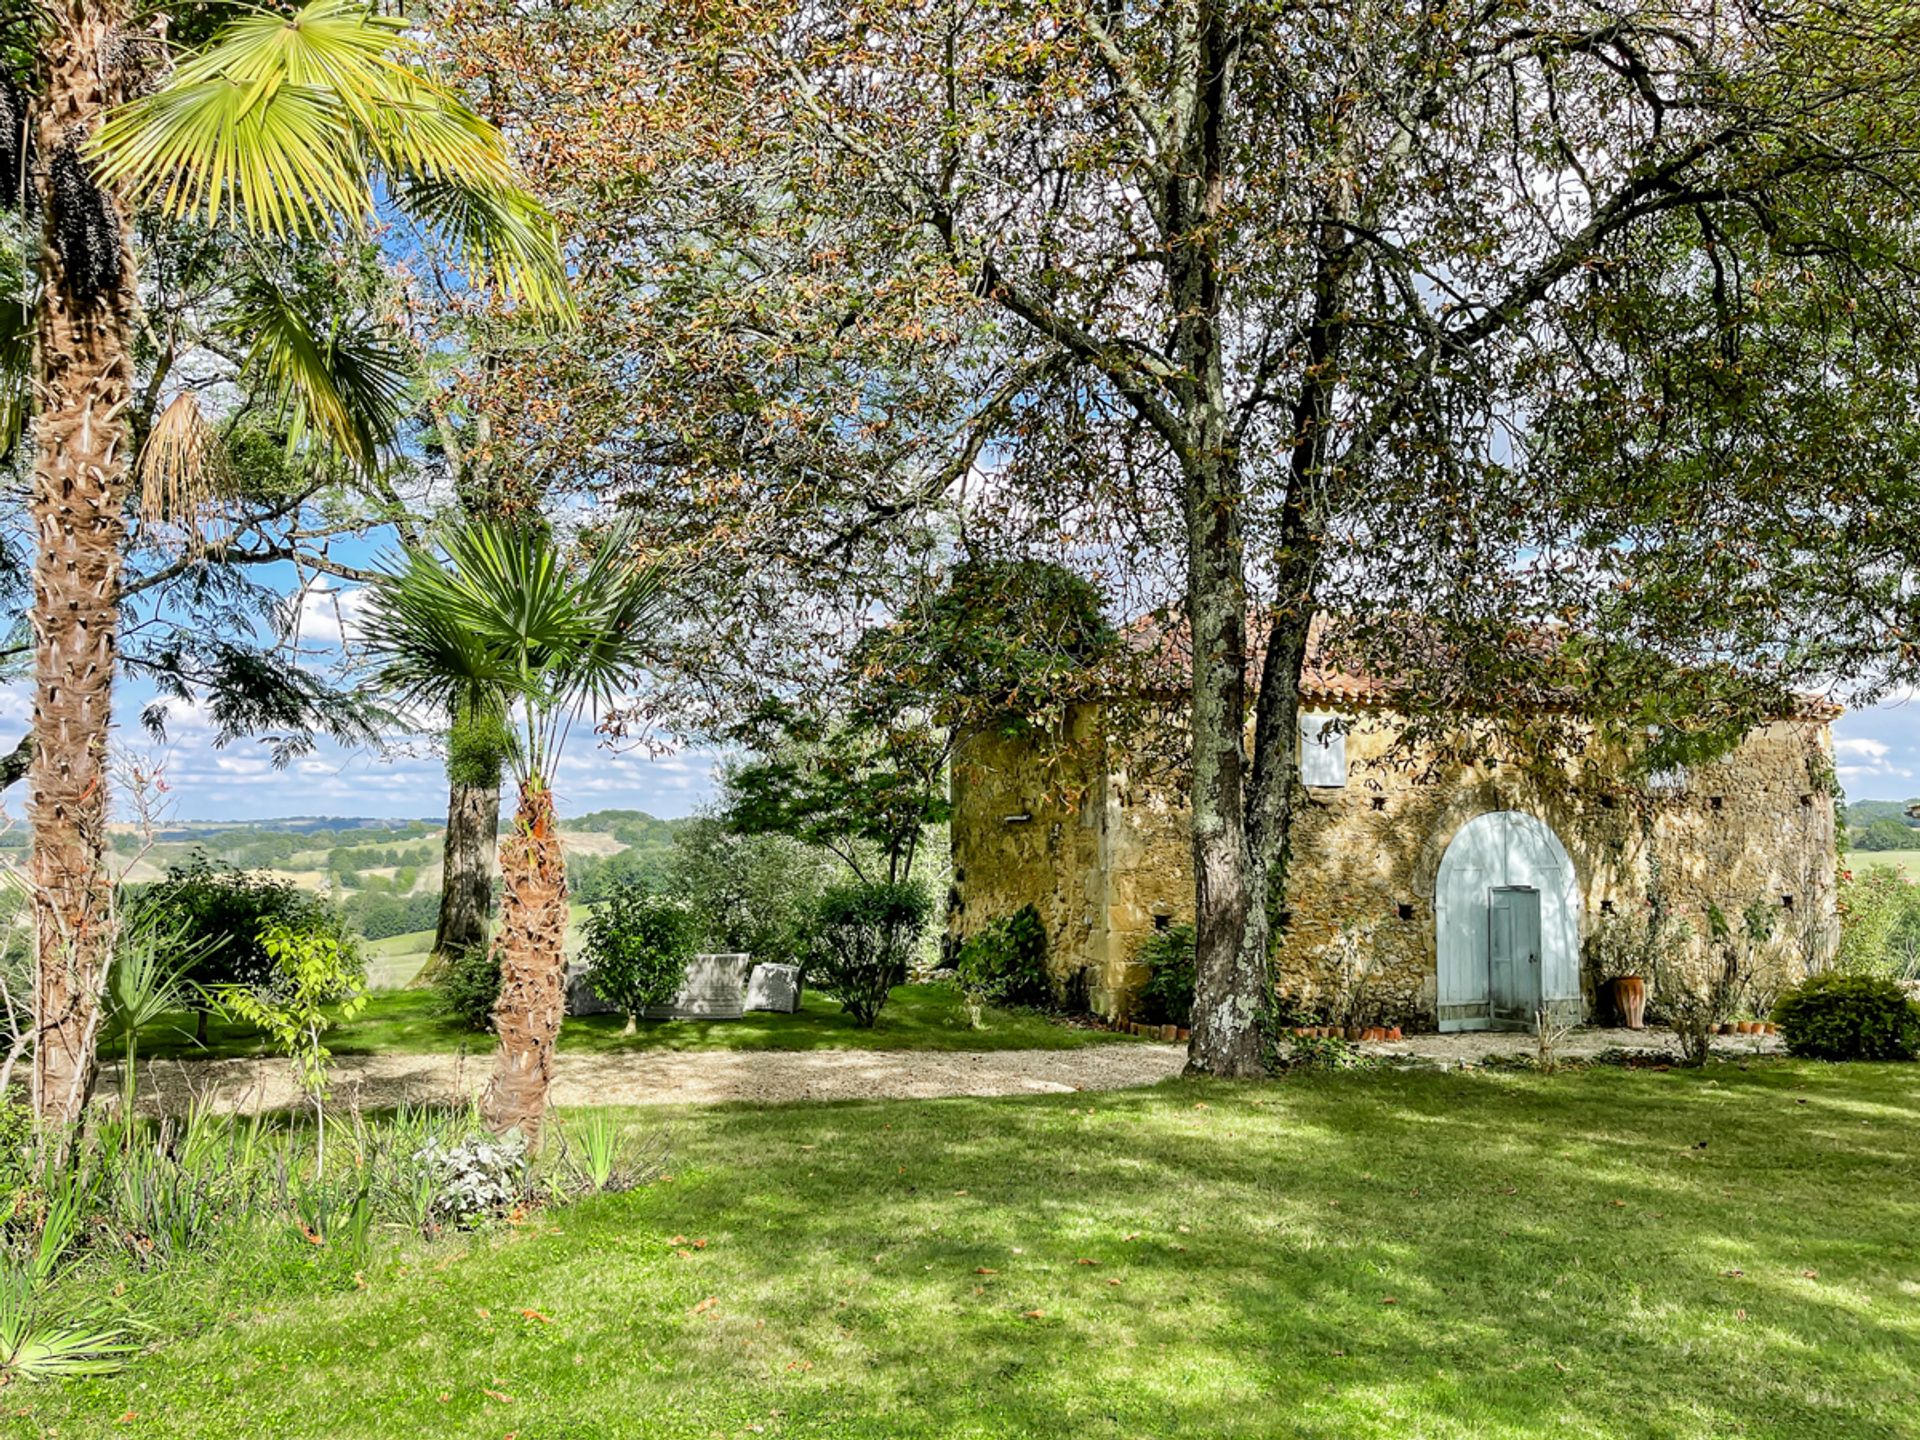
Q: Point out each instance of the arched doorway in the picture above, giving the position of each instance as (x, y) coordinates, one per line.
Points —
(1507, 918)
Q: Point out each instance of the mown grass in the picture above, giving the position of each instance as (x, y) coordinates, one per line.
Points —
(406, 1022)
(1605, 1254)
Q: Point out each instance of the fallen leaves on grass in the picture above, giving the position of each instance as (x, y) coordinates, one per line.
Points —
(532, 1314)
(499, 1395)
(705, 1305)
(1033, 1314)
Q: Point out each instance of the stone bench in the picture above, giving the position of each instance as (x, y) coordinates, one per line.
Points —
(712, 990)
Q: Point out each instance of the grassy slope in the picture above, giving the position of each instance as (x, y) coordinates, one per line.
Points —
(1602, 1254)
(1908, 860)
(918, 1017)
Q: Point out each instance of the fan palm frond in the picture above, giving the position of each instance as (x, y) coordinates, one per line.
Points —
(347, 383)
(286, 122)
(504, 616)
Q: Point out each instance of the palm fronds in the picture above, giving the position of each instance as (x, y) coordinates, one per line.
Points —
(288, 124)
(346, 383)
(503, 616)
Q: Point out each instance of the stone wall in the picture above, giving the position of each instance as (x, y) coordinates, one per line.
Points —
(1106, 856)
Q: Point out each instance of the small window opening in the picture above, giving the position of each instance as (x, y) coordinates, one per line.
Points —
(1379, 802)
(1786, 902)
(1606, 802)
(1806, 802)
(1283, 920)
(1405, 910)
(1161, 922)
(1606, 907)
(1716, 802)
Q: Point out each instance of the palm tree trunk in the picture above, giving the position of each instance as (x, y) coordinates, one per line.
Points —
(533, 965)
(81, 442)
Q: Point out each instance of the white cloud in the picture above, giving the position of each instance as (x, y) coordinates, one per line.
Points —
(330, 613)
(1863, 746)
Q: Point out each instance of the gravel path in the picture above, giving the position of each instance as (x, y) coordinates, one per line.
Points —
(699, 1077)
(772, 1077)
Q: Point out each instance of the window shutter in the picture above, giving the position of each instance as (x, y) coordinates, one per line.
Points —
(1323, 753)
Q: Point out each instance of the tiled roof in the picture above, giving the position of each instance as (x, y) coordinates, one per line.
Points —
(1163, 650)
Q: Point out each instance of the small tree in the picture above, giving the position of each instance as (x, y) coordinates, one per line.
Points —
(863, 933)
(638, 946)
(315, 983)
(219, 914)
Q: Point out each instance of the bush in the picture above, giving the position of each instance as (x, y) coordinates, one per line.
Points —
(753, 894)
(219, 914)
(638, 946)
(1836, 1016)
(1007, 961)
(469, 986)
(1879, 923)
(863, 934)
(1167, 997)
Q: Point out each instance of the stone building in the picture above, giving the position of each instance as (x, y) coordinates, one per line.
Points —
(1426, 891)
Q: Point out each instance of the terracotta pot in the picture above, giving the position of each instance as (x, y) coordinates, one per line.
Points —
(1376, 1032)
(1393, 1032)
(1354, 1032)
(1723, 1029)
(1749, 1027)
(1183, 1034)
(1772, 1029)
(1630, 995)
(1169, 1032)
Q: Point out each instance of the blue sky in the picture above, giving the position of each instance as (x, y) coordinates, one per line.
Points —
(1877, 752)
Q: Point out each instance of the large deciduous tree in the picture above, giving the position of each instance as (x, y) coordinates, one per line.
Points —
(284, 127)
(1520, 314)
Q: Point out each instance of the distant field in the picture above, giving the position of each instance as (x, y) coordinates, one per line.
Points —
(1907, 860)
(393, 963)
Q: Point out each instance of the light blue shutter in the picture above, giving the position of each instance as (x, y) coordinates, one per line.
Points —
(1323, 752)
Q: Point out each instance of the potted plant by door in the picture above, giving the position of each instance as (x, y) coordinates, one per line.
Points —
(1618, 961)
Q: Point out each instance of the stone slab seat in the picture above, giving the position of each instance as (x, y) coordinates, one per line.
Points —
(714, 989)
(775, 988)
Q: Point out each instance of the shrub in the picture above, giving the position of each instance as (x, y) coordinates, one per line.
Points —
(468, 985)
(479, 1177)
(1007, 960)
(753, 894)
(1879, 910)
(863, 934)
(638, 946)
(1167, 997)
(219, 914)
(1836, 1016)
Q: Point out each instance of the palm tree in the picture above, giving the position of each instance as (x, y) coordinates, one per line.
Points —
(504, 618)
(287, 125)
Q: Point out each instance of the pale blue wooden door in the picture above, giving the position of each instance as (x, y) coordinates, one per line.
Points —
(1513, 953)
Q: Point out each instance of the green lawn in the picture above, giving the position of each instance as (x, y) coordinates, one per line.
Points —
(1908, 860)
(1609, 1253)
(917, 1017)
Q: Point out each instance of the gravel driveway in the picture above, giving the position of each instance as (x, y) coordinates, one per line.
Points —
(699, 1077)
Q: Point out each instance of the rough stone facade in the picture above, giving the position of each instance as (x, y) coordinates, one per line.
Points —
(1068, 824)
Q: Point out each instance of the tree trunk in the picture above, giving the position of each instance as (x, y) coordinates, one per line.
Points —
(466, 882)
(1229, 983)
(81, 441)
(1228, 996)
(533, 965)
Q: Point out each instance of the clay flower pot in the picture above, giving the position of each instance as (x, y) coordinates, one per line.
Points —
(1354, 1032)
(1749, 1027)
(1183, 1034)
(1723, 1029)
(1630, 994)
(1393, 1032)
(1169, 1032)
